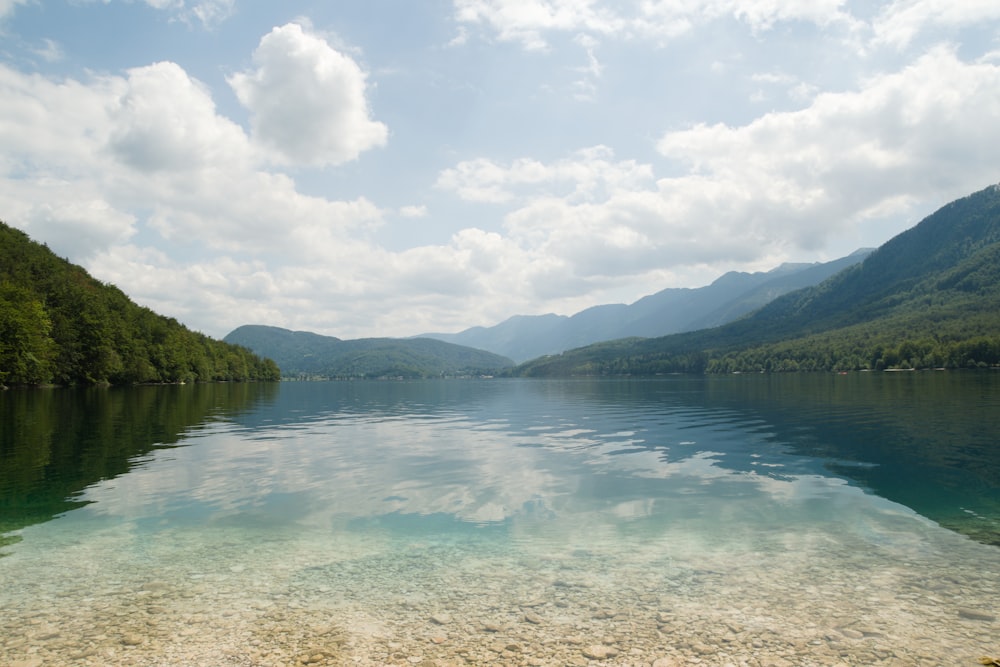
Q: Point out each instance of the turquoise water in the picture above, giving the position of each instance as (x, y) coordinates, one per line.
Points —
(755, 520)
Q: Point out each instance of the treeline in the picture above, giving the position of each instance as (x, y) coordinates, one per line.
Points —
(58, 325)
(813, 354)
(907, 354)
(963, 334)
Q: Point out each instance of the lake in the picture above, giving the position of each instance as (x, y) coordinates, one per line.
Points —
(755, 520)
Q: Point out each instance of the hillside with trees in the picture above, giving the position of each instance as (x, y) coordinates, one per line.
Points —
(928, 298)
(307, 355)
(59, 325)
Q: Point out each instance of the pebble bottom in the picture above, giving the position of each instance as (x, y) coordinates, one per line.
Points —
(796, 600)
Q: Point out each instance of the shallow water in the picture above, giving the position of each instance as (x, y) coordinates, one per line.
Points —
(804, 520)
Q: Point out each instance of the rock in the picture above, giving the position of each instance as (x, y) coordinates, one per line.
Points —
(975, 614)
(666, 662)
(492, 627)
(599, 652)
(85, 653)
(441, 619)
(775, 661)
(702, 648)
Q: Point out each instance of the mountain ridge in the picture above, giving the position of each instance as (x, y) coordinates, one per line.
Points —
(928, 297)
(672, 310)
(308, 354)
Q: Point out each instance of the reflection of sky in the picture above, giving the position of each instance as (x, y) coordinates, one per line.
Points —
(511, 453)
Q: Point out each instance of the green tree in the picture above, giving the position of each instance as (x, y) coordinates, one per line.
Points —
(26, 350)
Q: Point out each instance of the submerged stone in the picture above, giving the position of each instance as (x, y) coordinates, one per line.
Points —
(599, 652)
(976, 614)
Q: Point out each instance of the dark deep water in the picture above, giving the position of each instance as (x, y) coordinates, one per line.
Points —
(733, 498)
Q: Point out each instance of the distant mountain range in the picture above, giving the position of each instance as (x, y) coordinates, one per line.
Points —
(672, 310)
(928, 298)
(305, 354)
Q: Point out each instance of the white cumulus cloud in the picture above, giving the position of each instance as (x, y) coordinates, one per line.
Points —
(167, 121)
(848, 156)
(307, 100)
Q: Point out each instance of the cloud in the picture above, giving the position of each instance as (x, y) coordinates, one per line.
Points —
(666, 18)
(307, 101)
(782, 184)
(586, 86)
(207, 12)
(7, 7)
(528, 21)
(55, 161)
(517, 20)
(81, 225)
(588, 221)
(413, 211)
(808, 174)
(900, 22)
(213, 12)
(166, 121)
(199, 173)
(585, 175)
(50, 51)
(103, 169)
(91, 165)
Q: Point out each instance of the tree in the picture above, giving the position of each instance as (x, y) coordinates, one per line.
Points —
(26, 350)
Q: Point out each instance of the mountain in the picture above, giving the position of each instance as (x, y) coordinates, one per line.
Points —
(301, 353)
(669, 311)
(59, 325)
(930, 297)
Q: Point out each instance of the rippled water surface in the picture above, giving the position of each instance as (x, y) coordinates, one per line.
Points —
(748, 520)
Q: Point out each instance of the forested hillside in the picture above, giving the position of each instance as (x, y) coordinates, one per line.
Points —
(301, 353)
(928, 298)
(59, 325)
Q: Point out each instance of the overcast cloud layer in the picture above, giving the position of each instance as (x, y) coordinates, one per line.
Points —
(387, 169)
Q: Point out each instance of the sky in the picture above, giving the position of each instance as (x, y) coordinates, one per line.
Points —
(389, 167)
